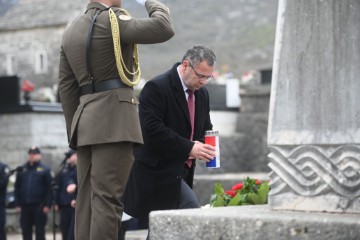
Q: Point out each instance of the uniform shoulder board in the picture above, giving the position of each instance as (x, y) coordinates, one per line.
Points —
(124, 15)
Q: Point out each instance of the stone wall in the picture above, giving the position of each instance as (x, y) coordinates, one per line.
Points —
(19, 131)
(243, 146)
(25, 47)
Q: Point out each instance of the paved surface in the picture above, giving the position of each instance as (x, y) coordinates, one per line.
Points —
(130, 235)
(17, 236)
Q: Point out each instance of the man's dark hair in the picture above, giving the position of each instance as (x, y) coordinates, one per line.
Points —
(198, 54)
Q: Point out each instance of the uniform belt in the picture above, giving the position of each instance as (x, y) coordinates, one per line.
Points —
(102, 86)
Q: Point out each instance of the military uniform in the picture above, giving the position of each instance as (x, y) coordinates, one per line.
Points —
(63, 200)
(33, 191)
(104, 125)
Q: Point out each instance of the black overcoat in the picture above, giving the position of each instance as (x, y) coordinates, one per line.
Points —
(154, 183)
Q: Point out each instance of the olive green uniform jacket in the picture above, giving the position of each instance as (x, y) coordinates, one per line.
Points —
(109, 116)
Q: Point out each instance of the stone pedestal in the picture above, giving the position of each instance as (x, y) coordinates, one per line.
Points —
(314, 127)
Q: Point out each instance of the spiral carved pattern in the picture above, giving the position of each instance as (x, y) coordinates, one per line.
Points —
(310, 170)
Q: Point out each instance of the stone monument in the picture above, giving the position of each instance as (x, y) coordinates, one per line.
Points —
(314, 126)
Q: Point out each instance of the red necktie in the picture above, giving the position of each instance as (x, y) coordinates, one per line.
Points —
(191, 106)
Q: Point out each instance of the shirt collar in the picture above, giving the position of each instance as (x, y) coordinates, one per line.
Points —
(182, 81)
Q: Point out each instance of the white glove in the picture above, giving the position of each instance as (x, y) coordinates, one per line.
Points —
(142, 2)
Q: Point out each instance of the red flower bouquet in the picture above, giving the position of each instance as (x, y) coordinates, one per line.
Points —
(27, 86)
(249, 192)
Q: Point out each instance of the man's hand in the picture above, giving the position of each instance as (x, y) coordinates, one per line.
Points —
(71, 188)
(142, 2)
(73, 203)
(204, 152)
(56, 207)
(45, 210)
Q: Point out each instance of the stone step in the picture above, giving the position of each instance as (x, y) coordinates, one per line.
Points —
(256, 222)
(136, 235)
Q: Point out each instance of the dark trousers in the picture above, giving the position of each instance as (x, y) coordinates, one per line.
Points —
(2, 222)
(71, 235)
(32, 215)
(67, 213)
(131, 224)
(187, 199)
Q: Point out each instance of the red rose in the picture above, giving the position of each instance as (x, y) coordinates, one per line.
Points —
(231, 193)
(257, 182)
(27, 86)
(237, 186)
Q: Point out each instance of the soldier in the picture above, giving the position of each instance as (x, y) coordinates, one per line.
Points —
(99, 65)
(33, 192)
(64, 198)
(4, 179)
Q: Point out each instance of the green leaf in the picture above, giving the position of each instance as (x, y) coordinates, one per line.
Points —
(243, 198)
(263, 192)
(213, 198)
(219, 202)
(251, 193)
(235, 200)
(253, 198)
(218, 189)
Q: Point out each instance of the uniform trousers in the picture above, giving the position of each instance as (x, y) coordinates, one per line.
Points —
(2, 222)
(102, 171)
(32, 214)
(71, 235)
(66, 220)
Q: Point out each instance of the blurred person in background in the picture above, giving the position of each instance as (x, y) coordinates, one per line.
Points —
(33, 195)
(64, 199)
(4, 179)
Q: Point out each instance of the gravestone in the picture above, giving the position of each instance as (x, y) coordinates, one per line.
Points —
(9, 91)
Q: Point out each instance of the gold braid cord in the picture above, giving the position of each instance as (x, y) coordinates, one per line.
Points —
(118, 54)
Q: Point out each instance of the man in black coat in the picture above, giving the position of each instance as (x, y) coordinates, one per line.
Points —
(163, 171)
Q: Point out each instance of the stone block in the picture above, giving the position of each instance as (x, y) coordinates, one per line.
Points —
(252, 222)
